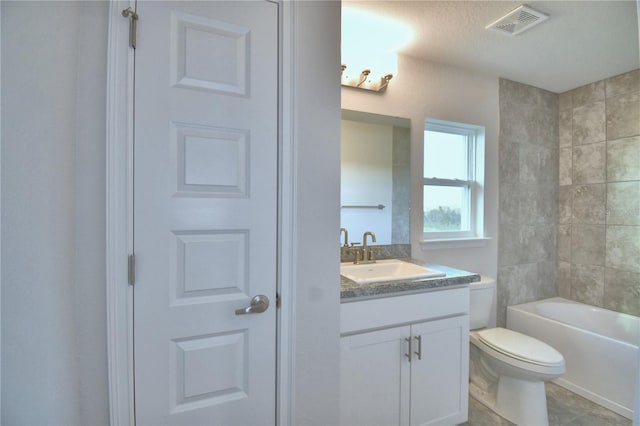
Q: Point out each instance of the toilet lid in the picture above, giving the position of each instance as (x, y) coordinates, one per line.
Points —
(520, 346)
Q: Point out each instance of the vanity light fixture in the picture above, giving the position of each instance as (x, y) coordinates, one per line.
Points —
(364, 80)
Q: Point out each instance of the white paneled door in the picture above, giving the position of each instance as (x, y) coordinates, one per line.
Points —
(205, 219)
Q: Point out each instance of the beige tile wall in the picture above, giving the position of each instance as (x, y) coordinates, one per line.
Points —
(599, 193)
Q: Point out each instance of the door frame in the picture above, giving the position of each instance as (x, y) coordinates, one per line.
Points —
(119, 215)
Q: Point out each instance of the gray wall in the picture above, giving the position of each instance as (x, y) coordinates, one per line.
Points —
(528, 188)
(599, 231)
(584, 215)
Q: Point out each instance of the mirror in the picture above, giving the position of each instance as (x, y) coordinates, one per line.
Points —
(375, 182)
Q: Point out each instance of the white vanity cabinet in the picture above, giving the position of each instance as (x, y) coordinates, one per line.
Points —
(380, 384)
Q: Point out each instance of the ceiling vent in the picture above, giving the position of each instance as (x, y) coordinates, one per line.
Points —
(518, 20)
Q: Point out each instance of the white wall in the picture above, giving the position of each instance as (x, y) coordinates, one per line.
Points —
(317, 298)
(53, 317)
(53, 213)
(424, 89)
(90, 213)
(39, 371)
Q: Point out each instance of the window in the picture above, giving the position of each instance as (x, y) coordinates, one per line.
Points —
(453, 180)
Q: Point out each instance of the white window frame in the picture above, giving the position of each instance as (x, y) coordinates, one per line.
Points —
(474, 184)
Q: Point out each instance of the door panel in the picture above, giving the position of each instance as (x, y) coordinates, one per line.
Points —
(205, 221)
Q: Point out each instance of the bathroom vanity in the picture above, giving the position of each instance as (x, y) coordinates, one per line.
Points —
(405, 350)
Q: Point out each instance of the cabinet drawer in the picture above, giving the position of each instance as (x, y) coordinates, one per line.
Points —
(388, 311)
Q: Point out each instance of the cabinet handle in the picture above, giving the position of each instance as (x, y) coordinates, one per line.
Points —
(419, 353)
(408, 354)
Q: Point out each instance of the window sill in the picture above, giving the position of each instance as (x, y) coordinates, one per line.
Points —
(447, 243)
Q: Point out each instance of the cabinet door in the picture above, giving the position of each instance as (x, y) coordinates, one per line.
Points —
(375, 378)
(439, 381)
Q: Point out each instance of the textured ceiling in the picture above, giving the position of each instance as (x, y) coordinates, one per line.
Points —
(582, 42)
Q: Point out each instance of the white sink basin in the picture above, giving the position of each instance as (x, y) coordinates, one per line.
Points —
(386, 270)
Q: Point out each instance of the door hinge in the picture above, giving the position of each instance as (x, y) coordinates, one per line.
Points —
(132, 269)
(133, 20)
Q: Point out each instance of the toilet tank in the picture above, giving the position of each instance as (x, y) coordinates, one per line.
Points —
(482, 295)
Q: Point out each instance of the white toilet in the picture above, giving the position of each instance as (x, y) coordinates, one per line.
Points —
(507, 369)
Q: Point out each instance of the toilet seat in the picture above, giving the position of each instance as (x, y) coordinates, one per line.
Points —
(521, 346)
(501, 346)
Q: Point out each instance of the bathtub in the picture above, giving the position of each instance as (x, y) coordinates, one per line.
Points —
(600, 347)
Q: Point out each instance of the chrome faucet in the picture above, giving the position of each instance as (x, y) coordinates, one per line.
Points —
(367, 252)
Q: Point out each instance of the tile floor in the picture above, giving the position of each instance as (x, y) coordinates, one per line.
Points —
(565, 409)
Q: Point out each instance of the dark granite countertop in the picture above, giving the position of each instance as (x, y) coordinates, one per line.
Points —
(351, 292)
